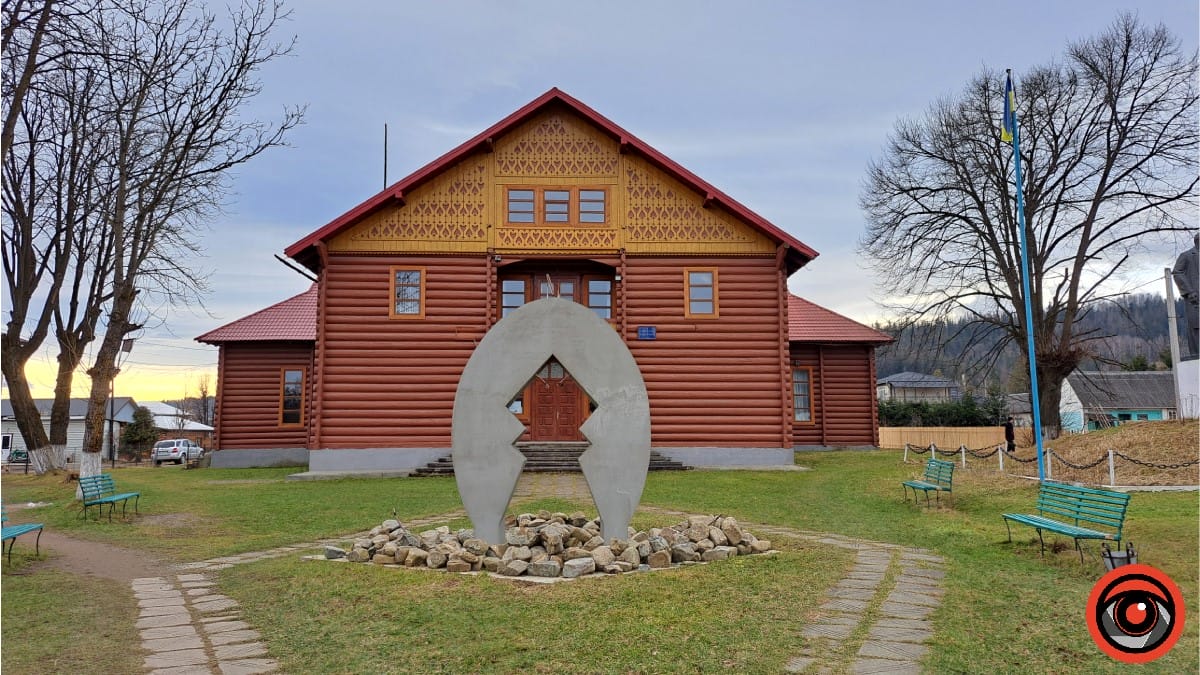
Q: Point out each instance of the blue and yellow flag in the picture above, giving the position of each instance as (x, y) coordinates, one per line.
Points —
(1010, 109)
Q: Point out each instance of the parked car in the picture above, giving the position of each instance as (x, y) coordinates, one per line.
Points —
(177, 450)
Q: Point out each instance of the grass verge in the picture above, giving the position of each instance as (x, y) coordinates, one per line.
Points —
(55, 622)
(1006, 608)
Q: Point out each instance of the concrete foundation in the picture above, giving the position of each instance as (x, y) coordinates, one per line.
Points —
(729, 456)
(373, 460)
(246, 459)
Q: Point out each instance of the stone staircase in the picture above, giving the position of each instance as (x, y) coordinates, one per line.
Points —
(549, 457)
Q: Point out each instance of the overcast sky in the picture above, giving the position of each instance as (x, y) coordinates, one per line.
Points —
(779, 104)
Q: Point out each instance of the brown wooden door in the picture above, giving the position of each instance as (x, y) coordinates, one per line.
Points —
(557, 408)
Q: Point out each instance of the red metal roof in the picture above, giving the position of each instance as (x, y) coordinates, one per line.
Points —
(292, 319)
(808, 322)
(301, 249)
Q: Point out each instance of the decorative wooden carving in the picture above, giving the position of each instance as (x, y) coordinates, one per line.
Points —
(447, 214)
(556, 145)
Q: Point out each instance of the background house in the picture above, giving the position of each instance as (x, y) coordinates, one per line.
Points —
(909, 387)
(123, 414)
(173, 422)
(1098, 399)
(1019, 407)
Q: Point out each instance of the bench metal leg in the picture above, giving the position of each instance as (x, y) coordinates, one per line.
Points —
(1008, 527)
(37, 545)
(927, 499)
(1043, 543)
(10, 547)
(1080, 551)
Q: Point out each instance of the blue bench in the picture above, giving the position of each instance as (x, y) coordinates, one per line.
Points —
(1076, 512)
(938, 478)
(11, 532)
(100, 489)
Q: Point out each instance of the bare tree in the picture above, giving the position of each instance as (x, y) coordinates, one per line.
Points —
(48, 156)
(178, 81)
(205, 400)
(1108, 141)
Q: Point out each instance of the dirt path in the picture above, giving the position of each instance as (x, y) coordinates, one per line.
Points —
(79, 556)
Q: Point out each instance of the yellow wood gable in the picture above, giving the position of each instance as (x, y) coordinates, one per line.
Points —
(465, 208)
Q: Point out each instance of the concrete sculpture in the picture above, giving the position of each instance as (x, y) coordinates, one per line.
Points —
(486, 463)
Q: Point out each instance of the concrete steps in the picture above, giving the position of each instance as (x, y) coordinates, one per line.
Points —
(549, 457)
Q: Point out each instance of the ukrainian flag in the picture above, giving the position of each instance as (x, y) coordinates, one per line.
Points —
(1010, 106)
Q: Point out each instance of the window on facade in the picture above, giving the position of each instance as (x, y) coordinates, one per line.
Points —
(802, 395)
(520, 206)
(556, 206)
(291, 396)
(700, 293)
(408, 293)
(599, 297)
(512, 295)
(591, 206)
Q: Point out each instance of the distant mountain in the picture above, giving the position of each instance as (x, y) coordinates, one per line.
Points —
(1131, 333)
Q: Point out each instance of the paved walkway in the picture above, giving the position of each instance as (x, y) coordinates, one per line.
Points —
(874, 620)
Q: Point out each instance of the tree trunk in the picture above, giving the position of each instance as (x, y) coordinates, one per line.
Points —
(25, 411)
(102, 374)
(90, 464)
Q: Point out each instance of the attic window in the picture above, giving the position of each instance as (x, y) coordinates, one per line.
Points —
(557, 206)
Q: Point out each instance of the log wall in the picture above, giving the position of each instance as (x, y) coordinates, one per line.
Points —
(390, 383)
(248, 401)
(843, 395)
(711, 382)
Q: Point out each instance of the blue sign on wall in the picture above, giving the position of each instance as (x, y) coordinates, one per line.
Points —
(647, 332)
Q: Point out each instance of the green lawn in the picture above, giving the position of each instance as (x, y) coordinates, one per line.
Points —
(1005, 607)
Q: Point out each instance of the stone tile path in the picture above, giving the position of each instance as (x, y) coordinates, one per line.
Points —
(875, 619)
(188, 628)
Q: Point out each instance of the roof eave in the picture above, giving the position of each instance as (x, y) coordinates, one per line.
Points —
(799, 254)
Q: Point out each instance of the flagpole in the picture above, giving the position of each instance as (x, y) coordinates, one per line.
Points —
(1029, 345)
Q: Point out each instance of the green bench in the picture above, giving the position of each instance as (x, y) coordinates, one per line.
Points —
(938, 478)
(100, 489)
(1076, 512)
(11, 532)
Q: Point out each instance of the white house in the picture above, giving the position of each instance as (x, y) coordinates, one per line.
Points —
(1096, 399)
(122, 407)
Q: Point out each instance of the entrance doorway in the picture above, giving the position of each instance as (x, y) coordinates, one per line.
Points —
(557, 405)
(553, 405)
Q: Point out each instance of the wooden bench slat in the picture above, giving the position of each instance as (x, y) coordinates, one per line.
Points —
(1083, 507)
(11, 532)
(101, 489)
(938, 478)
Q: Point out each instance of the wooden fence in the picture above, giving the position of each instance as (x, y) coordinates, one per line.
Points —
(944, 437)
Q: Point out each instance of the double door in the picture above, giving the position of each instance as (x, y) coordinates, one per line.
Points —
(555, 403)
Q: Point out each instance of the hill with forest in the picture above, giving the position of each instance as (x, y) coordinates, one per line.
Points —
(1129, 334)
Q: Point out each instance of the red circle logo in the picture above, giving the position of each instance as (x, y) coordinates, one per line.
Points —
(1135, 613)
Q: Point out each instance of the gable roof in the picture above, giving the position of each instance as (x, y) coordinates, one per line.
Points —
(292, 319)
(303, 251)
(911, 380)
(1120, 389)
(810, 322)
(78, 408)
(169, 418)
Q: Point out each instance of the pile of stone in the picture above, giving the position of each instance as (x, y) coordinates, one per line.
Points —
(554, 545)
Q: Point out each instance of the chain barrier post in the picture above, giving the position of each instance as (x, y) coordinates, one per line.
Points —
(1049, 454)
(1000, 453)
(1112, 472)
(906, 453)
(962, 450)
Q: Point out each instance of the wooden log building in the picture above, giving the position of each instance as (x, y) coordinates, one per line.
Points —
(359, 372)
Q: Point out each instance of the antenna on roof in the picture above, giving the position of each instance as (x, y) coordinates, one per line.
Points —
(385, 183)
(301, 271)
